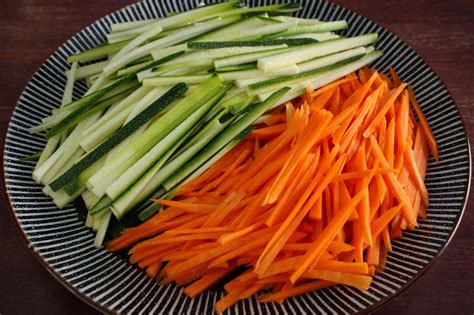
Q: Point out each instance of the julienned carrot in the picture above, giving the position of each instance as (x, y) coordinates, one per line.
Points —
(296, 185)
(302, 208)
(395, 78)
(371, 129)
(363, 173)
(424, 124)
(394, 184)
(332, 86)
(316, 126)
(416, 176)
(271, 120)
(358, 281)
(321, 101)
(350, 267)
(238, 161)
(296, 290)
(310, 199)
(267, 132)
(381, 222)
(206, 282)
(326, 237)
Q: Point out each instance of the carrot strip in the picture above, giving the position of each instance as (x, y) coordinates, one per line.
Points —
(189, 207)
(353, 129)
(212, 253)
(363, 173)
(424, 124)
(322, 242)
(364, 207)
(415, 175)
(271, 120)
(294, 189)
(358, 281)
(199, 231)
(296, 290)
(322, 100)
(268, 132)
(207, 281)
(380, 223)
(296, 216)
(373, 252)
(342, 266)
(331, 86)
(337, 247)
(376, 121)
(395, 186)
(318, 123)
(335, 102)
(395, 78)
(242, 156)
(153, 269)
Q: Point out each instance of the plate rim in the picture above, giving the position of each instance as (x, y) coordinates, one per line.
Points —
(101, 308)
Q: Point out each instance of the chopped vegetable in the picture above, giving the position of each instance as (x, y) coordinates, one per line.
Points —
(309, 199)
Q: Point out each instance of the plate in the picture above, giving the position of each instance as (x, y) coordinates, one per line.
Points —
(108, 282)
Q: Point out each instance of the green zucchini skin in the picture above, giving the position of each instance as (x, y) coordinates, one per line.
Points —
(253, 43)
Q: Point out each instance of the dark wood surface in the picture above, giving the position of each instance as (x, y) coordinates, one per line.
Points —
(441, 31)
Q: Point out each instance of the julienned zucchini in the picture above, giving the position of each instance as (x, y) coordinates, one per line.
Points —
(315, 50)
(84, 104)
(314, 28)
(150, 209)
(155, 176)
(243, 43)
(119, 136)
(247, 57)
(287, 79)
(245, 66)
(97, 52)
(299, 88)
(157, 131)
(225, 137)
(79, 115)
(32, 157)
(161, 148)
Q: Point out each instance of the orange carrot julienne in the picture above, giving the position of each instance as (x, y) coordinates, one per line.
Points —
(380, 223)
(313, 197)
(322, 100)
(283, 233)
(350, 267)
(326, 237)
(394, 184)
(331, 86)
(395, 78)
(267, 132)
(371, 129)
(424, 124)
(297, 290)
(363, 173)
(415, 174)
(206, 282)
(304, 148)
(358, 281)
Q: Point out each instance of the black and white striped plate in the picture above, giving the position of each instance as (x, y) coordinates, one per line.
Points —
(65, 247)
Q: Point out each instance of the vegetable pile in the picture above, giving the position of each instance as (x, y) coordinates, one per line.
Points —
(309, 199)
(168, 97)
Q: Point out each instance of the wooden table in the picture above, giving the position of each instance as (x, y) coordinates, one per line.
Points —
(441, 31)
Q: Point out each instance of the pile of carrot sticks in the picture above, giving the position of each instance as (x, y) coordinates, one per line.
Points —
(310, 199)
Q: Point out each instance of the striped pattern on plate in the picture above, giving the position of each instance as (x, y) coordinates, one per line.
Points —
(108, 282)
